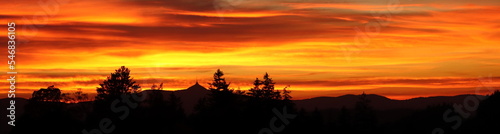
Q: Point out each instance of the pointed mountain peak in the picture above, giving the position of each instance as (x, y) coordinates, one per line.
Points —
(196, 86)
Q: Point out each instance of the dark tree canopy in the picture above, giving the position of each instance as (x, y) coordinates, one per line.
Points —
(117, 84)
(77, 96)
(256, 91)
(219, 83)
(264, 89)
(286, 94)
(156, 87)
(50, 94)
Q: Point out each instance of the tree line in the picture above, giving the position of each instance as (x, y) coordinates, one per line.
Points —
(223, 107)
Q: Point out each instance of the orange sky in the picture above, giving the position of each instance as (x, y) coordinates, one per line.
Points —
(397, 48)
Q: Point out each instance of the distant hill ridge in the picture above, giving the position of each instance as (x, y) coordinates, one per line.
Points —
(378, 102)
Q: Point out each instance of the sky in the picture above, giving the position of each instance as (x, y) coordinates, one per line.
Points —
(397, 48)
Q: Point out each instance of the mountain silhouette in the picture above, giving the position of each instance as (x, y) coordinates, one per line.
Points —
(377, 101)
(189, 97)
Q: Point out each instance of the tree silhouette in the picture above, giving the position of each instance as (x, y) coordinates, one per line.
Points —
(44, 110)
(77, 96)
(155, 97)
(221, 95)
(117, 84)
(256, 91)
(220, 109)
(267, 91)
(80, 96)
(268, 88)
(286, 94)
(50, 94)
(219, 83)
(156, 87)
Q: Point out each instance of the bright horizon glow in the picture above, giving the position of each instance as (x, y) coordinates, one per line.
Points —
(415, 48)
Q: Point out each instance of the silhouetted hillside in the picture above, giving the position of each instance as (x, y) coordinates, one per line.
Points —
(343, 114)
(378, 102)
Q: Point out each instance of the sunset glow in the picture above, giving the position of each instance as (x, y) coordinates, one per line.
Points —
(408, 48)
